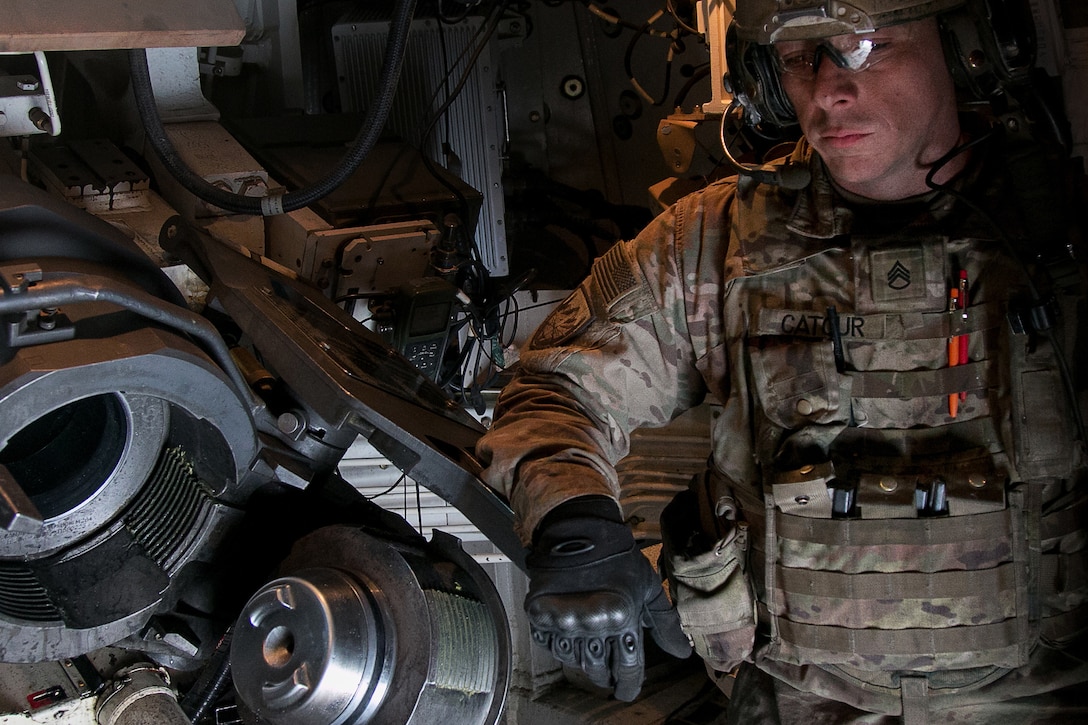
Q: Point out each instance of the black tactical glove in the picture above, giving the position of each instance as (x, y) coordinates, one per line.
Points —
(591, 591)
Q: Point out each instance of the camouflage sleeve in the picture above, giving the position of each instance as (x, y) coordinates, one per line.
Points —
(614, 356)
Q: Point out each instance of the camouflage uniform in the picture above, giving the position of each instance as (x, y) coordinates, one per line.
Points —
(822, 325)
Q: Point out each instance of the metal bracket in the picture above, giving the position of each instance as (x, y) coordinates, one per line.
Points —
(28, 104)
(21, 328)
(17, 278)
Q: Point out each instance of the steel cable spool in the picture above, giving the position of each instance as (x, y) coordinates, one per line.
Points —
(323, 644)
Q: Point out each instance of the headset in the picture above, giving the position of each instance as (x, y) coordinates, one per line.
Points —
(989, 46)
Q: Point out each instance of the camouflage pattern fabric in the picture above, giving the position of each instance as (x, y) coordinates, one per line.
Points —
(822, 326)
(759, 698)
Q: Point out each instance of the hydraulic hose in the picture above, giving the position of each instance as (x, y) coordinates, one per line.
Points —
(270, 205)
(199, 702)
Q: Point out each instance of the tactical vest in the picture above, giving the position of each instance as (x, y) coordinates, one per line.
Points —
(912, 492)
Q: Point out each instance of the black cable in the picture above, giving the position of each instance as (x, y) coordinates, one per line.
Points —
(670, 5)
(608, 15)
(364, 142)
(458, 366)
(388, 490)
(511, 301)
(482, 37)
(484, 34)
(476, 364)
(539, 305)
(419, 508)
(700, 73)
(212, 684)
(628, 56)
(1036, 298)
(451, 19)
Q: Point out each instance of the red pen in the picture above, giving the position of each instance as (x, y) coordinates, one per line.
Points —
(953, 352)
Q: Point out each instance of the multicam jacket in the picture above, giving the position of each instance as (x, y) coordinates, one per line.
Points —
(907, 466)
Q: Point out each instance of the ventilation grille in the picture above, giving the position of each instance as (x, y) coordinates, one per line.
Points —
(472, 123)
(23, 597)
(164, 515)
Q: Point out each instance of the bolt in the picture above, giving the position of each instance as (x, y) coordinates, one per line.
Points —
(289, 423)
(47, 318)
(28, 83)
(888, 485)
(40, 119)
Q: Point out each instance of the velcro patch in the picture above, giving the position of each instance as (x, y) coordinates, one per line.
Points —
(622, 285)
(613, 273)
(898, 274)
(565, 322)
(901, 275)
(809, 323)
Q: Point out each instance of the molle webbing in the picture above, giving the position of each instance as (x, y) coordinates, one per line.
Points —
(918, 444)
(902, 594)
(916, 649)
(920, 383)
(1063, 572)
(930, 600)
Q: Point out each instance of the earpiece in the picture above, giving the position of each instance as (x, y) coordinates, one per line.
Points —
(989, 45)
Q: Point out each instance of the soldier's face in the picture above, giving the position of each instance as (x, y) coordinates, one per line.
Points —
(878, 129)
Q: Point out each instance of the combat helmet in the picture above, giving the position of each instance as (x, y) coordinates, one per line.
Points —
(989, 44)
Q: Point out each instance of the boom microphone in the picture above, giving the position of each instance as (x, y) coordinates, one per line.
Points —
(788, 176)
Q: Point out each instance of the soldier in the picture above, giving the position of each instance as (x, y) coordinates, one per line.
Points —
(893, 321)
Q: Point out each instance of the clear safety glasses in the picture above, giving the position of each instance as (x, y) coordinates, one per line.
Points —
(856, 53)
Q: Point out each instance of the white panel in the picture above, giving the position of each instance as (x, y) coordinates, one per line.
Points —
(436, 57)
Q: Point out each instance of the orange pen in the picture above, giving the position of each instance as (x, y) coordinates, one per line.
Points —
(953, 352)
(962, 304)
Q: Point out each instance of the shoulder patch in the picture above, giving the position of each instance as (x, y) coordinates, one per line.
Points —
(565, 322)
(613, 273)
(622, 285)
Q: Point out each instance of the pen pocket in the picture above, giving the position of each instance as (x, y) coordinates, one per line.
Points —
(710, 586)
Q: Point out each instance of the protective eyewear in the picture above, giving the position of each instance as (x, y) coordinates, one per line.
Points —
(851, 52)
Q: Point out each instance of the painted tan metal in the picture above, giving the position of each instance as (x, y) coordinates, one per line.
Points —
(31, 25)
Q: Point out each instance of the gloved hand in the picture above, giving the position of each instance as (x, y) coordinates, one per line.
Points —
(591, 592)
